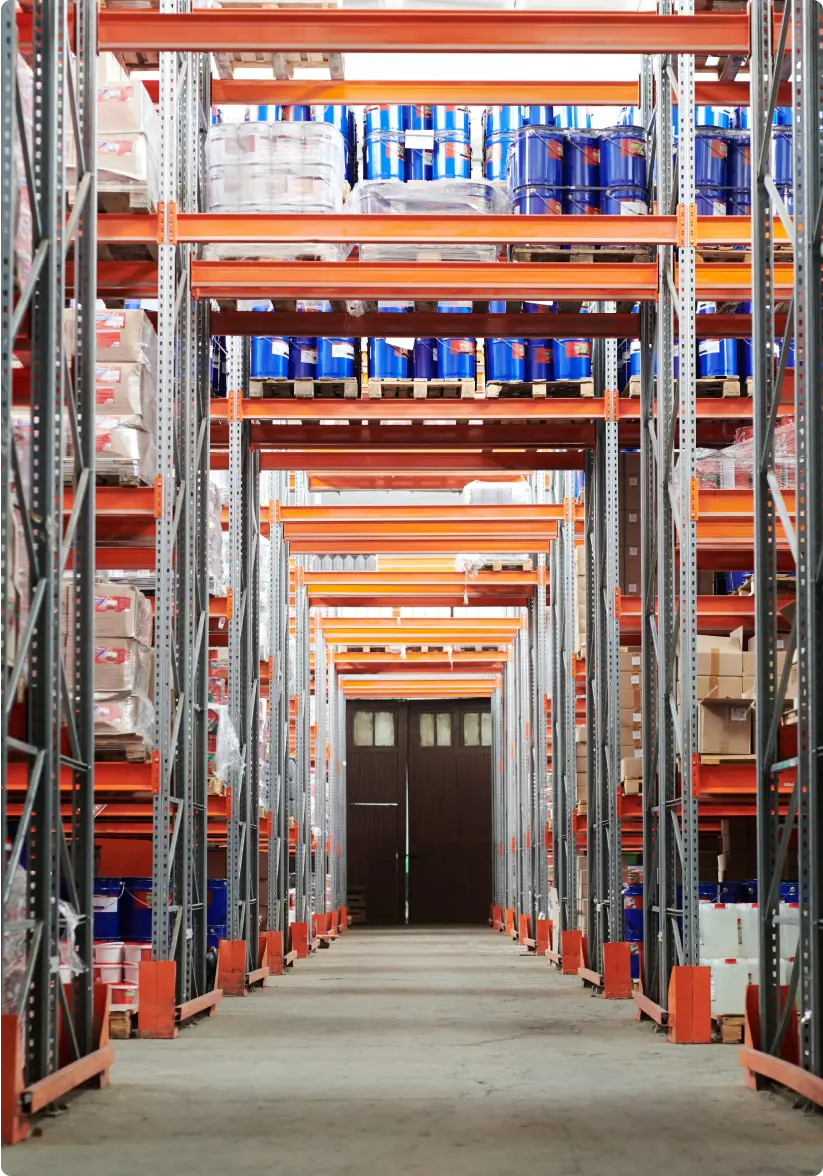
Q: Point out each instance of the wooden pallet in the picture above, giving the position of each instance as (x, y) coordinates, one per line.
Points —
(122, 1022)
(506, 565)
(581, 254)
(784, 584)
(304, 389)
(540, 389)
(728, 1030)
(728, 388)
(419, 389)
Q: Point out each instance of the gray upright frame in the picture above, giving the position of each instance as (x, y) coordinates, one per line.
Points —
(278, 758)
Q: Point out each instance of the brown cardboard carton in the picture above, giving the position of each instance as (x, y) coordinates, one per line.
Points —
(630, 494)
(719, 657)
(724, 726)
(121, 611)
(631, 661)
(122, 666)
(631, 774)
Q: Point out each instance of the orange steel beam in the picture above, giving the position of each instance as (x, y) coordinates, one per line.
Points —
(737, 503)
(715, 614)
(351, 468)
(581, 281)
(501, 514)
(424, 324)
(352, 229)
(418, 630)
(348, 478)
(427, 31)
(531, 411)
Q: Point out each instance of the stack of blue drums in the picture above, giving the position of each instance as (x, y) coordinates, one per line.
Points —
(581, 173)
(505, 358)
(295, 114)
(269, 354)
(419, 142)
(716, 358)
(711, 159)
(385, 142)
(217, 911)
(574, 118)
(500, 124)
(623, 182)
(536, 177)
(455, 357)
(539, 356)
(391, 358)
(342, 118)
(452, 158)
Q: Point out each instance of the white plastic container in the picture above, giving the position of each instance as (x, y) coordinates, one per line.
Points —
(123, 995)
(789, 933)
(133, 953)
(108, 953)
(131, 973)
(108, 973)
(718, 931)
(730, 979)
(748, 930)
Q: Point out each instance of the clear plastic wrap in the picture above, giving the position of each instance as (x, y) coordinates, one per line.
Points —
(129, 391)
(123, 336)
(126, 162)
(224, 746)
(435, 198)
(71, 963)
(480, 493)
(23, 237)
(294, 145)
(124, 105)
(123, 454)
(15, 924)
(119, 611)
(733, 467)
(122, 666)
(123, 714)
(302, 251)
(217, 564)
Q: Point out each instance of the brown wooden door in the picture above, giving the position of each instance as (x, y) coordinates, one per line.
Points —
(450, 812)
(376, 810)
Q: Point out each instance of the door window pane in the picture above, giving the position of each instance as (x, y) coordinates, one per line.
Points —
(363, 729)
(471, 729)
(427, 730)
(384, 729)
(486, 729)
(444, 730)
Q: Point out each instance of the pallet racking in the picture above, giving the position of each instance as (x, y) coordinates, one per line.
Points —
(680, 530)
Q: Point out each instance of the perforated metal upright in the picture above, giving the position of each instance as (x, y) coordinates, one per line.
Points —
(668, 523)
(801, 37)
(244, 664)
(320, 807)
(303, 895)
(540, 672)
(57, 745)
(278, 758)
(499, 849)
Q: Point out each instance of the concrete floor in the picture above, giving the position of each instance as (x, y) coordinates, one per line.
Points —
(432, 1052)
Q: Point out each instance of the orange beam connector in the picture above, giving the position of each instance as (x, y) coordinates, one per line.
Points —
(428, 31)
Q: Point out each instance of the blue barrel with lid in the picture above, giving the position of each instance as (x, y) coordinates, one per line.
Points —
(745, 355)
(711, 201)
(455, 357)
(537, 201)
(496, 149)
(739, 202)
(581, 202)
(501, 120)
(572, 359)
(218, 902)
(390, 358)
(720, 892)
(711, 158)
(630, 116)
(623, 157)
(581, 160)
(713, 116)
(269, 358)
(539, 358)
(781, 156)
(789, 892)
(303, 358)
(716, 358)
(452, 118)
(135, 920)
(633, 912)
(384, 118)
(296, 113)
(739, 168)
(572, 117)
(505, 358)
(425, 359)
(537, 159)
(625, 201)
(538, 116)
(385, 153)
(419, 154)
(107, 895)
(335, 359)
(452, 156)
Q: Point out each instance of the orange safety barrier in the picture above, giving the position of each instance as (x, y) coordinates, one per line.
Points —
(690, 1006)
(299, 940)
(231, 966)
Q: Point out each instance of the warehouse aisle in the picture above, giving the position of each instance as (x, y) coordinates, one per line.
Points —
(423, 1051)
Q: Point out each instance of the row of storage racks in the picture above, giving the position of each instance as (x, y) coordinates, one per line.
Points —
(223, 757)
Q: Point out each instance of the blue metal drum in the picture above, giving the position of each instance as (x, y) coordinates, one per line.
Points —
(452, 158)
(505, 358)
(624, 360)
(634, 358)
(335, 359)
(745, 354)
(106, 919)
(390, 359)
(538, 116)
(269, 358)
(581, 160)
(572, 117)
(218, 902)
(630, 116)
(628, 201)
(633, 912)
(425, 359)
(337, 116)
(713, 116)
(302, 358)
(581, 201)
(296, 114)
(539, 358)
(538, 157)
(452, 118)
(386, 155)
(538, 201)
(419, 155)
(711, 157)
(781, 162)
(739, 202)
(384, 118)
(623, 157)
(716, 358)
(455, 357)
(740, 160)
(263, 114)
(572, 359)
(496, 150)
(711, 201)
(501, 120)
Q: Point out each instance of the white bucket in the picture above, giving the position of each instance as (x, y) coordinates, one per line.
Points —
(131, 973)
(133, 953)
(123, 995)
(65, 974)
(108, 973)
(108, 953)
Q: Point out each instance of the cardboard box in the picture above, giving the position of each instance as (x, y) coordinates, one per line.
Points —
(123, 336)
(122, 611)
(631, 737)
(631, 775)
(631, 661)
(122, 666)
(719, 657)
(630, 492)
(724, 726)
(630, 680)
